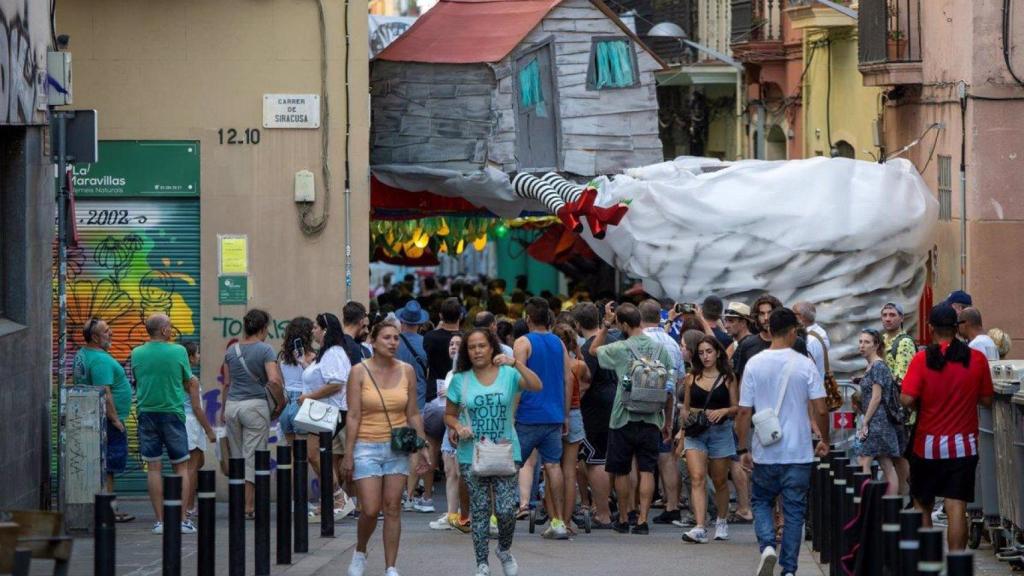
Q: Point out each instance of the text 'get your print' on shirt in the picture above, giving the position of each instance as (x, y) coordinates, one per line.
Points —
(489, 408)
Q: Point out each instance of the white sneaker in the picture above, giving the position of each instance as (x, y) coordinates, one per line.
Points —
(441, 523)
(939, 518)
(187, 527)
(392, 572)
(158, 527)
(358, 564)
(696, 535)
(508, 562)
(483, 570)
(556, 531)
(721, 529)
(766, 567)
(424, 505)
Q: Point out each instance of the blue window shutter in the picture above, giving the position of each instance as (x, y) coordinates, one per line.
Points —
(530, 93)
(613, 65)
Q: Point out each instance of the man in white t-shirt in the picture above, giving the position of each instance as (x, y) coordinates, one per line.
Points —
(817, 339)
(782, 467)
(973, 330)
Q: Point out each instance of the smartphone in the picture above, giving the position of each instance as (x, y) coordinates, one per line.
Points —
(689, 308)
(679, 307)
(298, 349)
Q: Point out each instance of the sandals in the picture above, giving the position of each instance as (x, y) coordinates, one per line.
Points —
(122, 517)
(523, 513)
(735, 518)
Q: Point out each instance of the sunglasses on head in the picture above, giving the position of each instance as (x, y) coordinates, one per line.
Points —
(90, 325)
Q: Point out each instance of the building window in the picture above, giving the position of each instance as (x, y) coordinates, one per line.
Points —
(613, 64)
(843, 149)
(945, 188)
(530, 92)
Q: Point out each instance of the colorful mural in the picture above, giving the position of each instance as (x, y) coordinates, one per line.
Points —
(135, 257)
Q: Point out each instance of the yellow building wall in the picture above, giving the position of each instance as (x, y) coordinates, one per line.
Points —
(849, 105)
(183, 70)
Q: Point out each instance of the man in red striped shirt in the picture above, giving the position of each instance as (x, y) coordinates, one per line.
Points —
(947, 382)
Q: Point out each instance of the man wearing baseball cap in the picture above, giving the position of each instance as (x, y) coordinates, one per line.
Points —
(946, 383)
(958, 300)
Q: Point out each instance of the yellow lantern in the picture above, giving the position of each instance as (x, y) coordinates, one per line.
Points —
(415, 252)
(442, 248)
(443, 230)
(460, 247)
(390, 237)
(422, 240)
(480, 243)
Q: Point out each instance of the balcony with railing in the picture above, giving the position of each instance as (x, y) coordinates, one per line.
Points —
(889, 36)
(757, 33)
(814, 14)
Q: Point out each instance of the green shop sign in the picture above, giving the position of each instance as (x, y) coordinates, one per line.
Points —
(141, 168)
(232, 290)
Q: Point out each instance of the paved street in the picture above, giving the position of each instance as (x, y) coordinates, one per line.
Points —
(426, 552)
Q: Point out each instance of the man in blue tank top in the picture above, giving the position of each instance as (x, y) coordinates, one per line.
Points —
(543, 417)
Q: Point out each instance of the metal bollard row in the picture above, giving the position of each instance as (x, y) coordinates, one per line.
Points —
(172, 526)
(104, 553)
(206, 503)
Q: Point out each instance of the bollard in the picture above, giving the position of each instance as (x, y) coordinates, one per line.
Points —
(891, 506)
(206, 497)
(929, 559)
(960, 564)
(284, 503)
(326, 485)
(873, 502)
(835, 526)
(236, 516)
(262, 509)
(810, 524)
(104, 555)
(910, 522)
(820, 518)
(301, 506)
(172, 525)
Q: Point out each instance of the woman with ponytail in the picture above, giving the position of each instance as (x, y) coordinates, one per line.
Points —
(946, 382)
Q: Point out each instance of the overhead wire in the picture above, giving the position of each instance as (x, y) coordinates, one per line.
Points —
(317, 225)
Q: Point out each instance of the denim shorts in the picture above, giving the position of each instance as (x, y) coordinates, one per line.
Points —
(717, 441)
(116, 452)
(576, 433)
(376, 459)
(446, 444)
(160, 430)
(287, 417)
(545, 438)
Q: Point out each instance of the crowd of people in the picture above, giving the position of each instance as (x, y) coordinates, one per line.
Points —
(570, 410)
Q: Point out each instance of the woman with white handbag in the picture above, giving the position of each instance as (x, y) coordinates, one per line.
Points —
(481, 402)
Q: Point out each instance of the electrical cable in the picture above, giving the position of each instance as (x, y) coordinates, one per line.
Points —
(828, 99)
(316, 226)
(1007, 5)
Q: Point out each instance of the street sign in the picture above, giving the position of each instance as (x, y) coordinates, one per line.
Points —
(140, 168)
(81, 145)
(291, 111)
(844, 421)
(232, 289)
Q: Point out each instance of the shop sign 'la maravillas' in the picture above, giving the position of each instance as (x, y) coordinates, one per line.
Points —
(140, 168)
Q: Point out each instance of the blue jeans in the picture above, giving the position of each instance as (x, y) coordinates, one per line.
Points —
(791, 482)
(159, 430)
(545, 438)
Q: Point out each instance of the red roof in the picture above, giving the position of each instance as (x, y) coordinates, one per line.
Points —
(468, 31)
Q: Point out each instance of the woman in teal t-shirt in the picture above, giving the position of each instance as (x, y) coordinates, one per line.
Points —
(486, 383)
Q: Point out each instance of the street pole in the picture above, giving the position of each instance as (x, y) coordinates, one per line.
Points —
(62, 274)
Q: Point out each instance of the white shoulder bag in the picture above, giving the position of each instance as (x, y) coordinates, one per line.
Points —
(490, 458)
(316, 416)
(766, 421)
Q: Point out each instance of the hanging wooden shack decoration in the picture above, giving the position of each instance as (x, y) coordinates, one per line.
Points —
(514, 105)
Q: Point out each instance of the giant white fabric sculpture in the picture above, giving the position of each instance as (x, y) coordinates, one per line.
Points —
(847, 235)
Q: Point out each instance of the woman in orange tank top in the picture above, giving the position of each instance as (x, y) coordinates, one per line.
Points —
(381, 396)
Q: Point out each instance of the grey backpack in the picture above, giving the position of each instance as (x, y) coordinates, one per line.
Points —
(643, 385)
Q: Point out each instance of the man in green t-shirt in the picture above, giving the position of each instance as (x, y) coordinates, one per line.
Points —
(94, 366)
(633, 434)
(162, 374)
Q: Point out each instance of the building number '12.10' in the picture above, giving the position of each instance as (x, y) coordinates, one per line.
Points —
(232, 136)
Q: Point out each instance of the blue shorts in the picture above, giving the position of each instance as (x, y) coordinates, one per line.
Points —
(376, 459)
(159, 430)
(576, 433)
(545, 438)
(287, 418)
(717, 441)
(116, 452)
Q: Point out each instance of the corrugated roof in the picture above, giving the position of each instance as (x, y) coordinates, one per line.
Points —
(468, 31)
(478, 31)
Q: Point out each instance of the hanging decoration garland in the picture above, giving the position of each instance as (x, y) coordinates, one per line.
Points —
(413, 239)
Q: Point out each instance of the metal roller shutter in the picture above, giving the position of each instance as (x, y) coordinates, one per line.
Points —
(135, 257)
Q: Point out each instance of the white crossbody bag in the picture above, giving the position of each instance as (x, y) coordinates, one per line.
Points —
(766, 421)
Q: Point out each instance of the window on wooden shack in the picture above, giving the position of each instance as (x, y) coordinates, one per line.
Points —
(530, 93)
(612, 64)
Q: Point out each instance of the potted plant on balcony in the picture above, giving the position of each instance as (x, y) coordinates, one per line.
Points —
(895, 49)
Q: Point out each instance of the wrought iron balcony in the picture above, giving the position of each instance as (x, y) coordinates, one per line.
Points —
(889, 36)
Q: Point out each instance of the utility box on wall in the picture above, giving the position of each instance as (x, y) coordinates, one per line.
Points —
(82, 465)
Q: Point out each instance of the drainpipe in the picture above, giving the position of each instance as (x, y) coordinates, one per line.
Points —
(739, 113)
(962, 90)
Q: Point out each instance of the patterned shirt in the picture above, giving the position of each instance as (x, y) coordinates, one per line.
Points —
(900, 361)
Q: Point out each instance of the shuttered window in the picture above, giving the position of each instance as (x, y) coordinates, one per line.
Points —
(612, 64)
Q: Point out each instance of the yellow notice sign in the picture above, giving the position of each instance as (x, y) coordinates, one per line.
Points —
(234, 254)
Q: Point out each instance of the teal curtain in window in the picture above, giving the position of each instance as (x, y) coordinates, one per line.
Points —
(614, 64)
(530, 94)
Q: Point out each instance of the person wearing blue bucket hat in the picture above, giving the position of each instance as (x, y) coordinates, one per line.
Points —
(410, 348)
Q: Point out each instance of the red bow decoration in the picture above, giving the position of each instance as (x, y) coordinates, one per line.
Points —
(598, 218)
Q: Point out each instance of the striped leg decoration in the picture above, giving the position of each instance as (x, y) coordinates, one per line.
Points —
(527, 186)
(567, 190)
